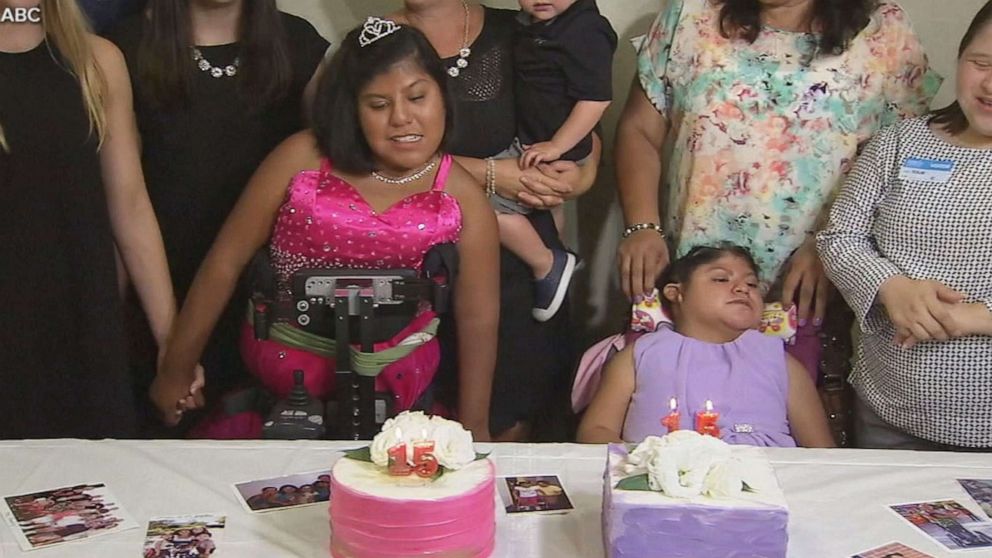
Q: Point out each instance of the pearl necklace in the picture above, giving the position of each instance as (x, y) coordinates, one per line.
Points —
(408, 178)
(464, 52)
(204, 65)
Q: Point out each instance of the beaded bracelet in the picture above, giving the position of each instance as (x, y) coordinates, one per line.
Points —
(643, 226)
(490, 177)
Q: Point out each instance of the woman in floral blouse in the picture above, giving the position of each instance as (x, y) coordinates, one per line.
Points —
(752, 112)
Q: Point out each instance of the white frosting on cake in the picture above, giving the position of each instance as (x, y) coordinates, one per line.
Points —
(370, 479)
(760, 477)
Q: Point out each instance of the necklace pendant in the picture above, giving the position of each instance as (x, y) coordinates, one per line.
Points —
(461, 63)
(453, 71)
(230, 70)
(465, 52)
(216, 72)
(203, 65)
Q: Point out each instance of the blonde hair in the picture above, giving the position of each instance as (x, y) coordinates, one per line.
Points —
(66, 27)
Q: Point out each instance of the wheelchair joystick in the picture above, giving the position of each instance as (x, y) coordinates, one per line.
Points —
(298, 417)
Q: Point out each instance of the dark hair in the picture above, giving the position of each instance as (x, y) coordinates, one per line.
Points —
(682, 269)
(836, 21)
(335, 107)
(166, 67)
(285, 486)
(951, 117)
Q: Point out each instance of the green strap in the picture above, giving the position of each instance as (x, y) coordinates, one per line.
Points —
(362, 363)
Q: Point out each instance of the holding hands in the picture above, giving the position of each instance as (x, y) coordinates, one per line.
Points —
(173, 396)
(929, 310)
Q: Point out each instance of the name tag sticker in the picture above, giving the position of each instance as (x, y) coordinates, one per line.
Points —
(926, 170)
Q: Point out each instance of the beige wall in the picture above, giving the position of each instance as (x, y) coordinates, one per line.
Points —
(598, 307)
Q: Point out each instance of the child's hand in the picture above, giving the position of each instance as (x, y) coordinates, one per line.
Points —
(543, 152)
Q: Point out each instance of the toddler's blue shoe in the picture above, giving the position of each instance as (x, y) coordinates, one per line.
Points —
(550, 291)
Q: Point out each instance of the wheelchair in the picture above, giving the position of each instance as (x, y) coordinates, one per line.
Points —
(327, 310)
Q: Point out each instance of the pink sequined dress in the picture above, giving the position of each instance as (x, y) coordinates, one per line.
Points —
(326, 223)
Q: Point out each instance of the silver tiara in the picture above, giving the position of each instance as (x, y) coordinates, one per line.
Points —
(376, 28)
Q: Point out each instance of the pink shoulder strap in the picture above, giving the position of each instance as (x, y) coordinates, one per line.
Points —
(441, 179)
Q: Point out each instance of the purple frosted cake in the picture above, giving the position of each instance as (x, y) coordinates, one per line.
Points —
(722, 520)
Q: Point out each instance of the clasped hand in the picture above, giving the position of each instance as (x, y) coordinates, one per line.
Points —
(174, 397)
(541, 187)
(924, 310)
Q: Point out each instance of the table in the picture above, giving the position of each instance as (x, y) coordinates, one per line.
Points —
(836, 497)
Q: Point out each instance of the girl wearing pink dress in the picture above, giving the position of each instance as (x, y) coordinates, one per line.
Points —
(368, 188)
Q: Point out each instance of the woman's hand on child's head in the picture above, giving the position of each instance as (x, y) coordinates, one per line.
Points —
(921, 310)
(641, 257)
(805, 274)
(543, 152)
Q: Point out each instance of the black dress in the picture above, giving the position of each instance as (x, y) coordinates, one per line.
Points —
(199, 155)
(62, 361)
(534, 359)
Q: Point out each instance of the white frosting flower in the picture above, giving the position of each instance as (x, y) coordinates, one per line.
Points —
(685, 464)
(637, 460)
(725, 480)
(453, 447)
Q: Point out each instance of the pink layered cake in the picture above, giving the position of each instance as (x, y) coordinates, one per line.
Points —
(377, 515)
(721, 521)
(420, 491)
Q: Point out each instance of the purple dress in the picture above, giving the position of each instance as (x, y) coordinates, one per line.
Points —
(746, 379)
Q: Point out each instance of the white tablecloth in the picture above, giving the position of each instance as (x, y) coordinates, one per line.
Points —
(836, 498)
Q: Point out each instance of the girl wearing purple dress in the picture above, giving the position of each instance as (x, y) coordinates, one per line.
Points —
(763, 396)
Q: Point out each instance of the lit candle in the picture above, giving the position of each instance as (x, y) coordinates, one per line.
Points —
(671, 420)
(427, 466)
(424, 462)
(422, 447)
(397, 457)
(706, 421)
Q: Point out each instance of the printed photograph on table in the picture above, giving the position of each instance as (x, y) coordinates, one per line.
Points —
(290, 491)
(534, 493)
(980, 491)
(186, 536)
(61, 515)
(947, 522)
(892, 550)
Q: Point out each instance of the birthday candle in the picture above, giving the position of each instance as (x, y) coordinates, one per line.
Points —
(422, 447)
(706, 421)
(671, 420)
(397, 457)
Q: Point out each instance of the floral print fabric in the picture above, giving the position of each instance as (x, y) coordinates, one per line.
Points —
(762, 134)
